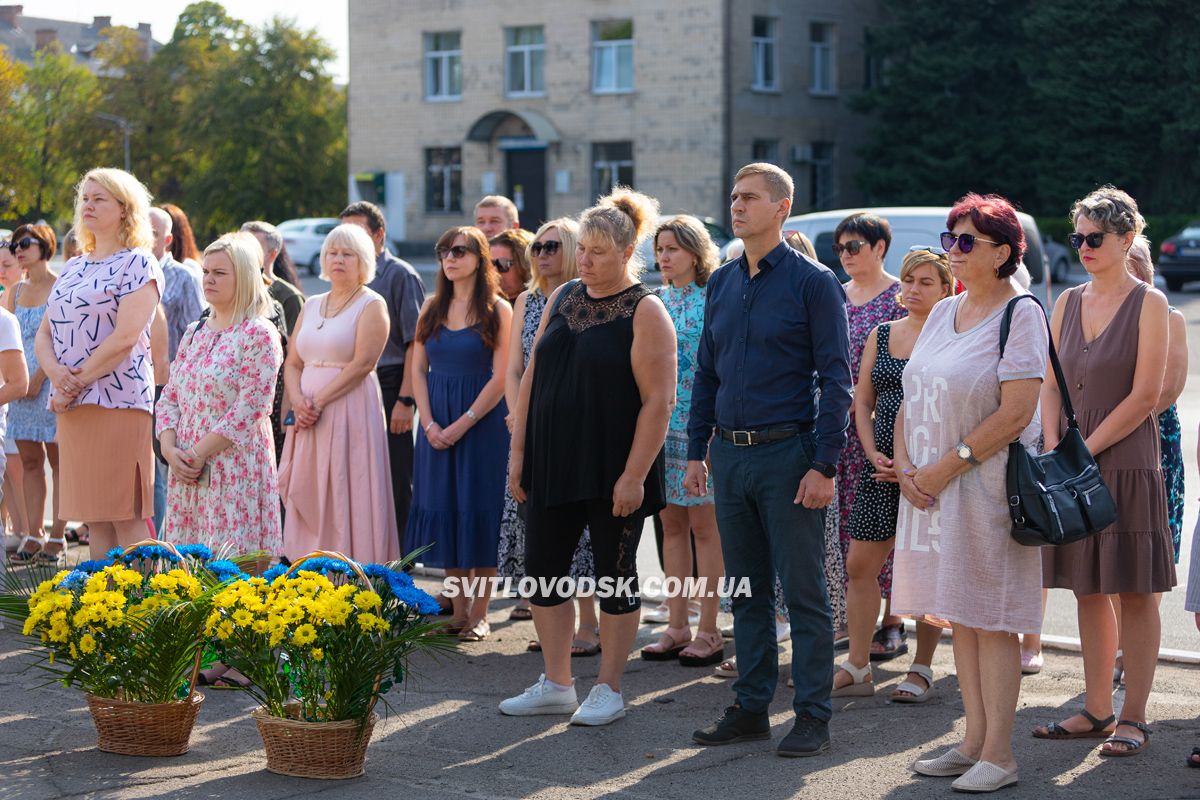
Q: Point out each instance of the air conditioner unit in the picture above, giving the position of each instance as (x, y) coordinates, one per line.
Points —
(802, 153)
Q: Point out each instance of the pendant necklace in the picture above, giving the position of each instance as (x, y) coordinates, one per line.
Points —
(324, 318)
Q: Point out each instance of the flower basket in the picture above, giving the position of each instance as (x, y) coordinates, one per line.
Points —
(323, 750)
(144, 729)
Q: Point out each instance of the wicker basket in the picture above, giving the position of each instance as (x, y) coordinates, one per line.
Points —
(325, 750)
(144, 729)
(147, 729)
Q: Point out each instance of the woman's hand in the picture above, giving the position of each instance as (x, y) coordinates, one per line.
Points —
(885, 470)
(454, 433)
(61, 403)
(516, 466)
(308, 413)
(437, 437)
(509, 420)
(628, 494)
(59, 377)
(182, 464)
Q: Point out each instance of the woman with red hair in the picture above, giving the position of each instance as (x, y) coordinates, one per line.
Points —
(955, 560)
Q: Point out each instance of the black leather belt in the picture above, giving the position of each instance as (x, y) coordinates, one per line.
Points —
(775, 433)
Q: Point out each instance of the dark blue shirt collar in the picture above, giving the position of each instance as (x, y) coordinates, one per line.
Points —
(769, 261)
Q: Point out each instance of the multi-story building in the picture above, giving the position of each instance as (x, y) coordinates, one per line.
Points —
(22, 36)
(553, 103)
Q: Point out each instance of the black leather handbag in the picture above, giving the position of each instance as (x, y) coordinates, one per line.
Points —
(1058, 497)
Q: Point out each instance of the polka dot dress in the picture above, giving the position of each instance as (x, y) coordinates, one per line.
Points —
(873, 516)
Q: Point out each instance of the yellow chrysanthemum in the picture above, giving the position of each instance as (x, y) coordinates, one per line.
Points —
(304, 635)
(372, 622)
(318, 654)
(87, 643)
(242, 617)
(367, 600)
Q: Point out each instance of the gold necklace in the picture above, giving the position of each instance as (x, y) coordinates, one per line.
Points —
(324, 318)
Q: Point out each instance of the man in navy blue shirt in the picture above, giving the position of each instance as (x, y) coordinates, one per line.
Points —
(772, 394)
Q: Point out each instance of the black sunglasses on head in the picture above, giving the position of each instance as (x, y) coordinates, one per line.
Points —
(851, 247)
(1093, 240)
(458, 251)
(966, 241)
(549, 248)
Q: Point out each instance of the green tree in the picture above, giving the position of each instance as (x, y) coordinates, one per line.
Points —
(13, 180)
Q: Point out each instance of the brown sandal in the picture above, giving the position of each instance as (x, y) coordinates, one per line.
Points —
(1099, 729)
(668, 646)
(693, 656)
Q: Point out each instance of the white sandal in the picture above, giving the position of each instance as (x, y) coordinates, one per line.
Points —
(861, 686)
(916, 694)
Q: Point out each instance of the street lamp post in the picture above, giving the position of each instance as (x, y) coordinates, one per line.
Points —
(125, 127)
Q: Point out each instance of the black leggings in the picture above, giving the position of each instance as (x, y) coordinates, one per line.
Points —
(551, 536)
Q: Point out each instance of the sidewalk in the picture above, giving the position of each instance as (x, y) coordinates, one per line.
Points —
(445, 739)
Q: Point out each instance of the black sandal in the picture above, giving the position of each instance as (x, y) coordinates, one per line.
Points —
(1192, 759)
(1099, 729)
(891, 637)
(1133, 745)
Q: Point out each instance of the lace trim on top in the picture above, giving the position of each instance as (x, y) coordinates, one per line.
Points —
(583, 312)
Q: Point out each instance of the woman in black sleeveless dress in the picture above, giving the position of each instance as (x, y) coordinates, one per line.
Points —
(587, 449)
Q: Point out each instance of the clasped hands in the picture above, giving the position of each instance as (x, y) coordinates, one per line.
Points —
(67, 386)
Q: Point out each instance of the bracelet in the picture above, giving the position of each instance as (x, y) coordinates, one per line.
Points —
(192, 452)
(471, 415)
(430, 425)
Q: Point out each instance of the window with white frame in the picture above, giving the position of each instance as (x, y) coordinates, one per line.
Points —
(525, 58)
(443, 180)
(766, 69)
(823, 58)
(612, 56)
(823, 183)
(612, 166)
(443, 66)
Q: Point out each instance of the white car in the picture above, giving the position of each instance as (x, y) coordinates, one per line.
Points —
(303, 239)
(912, 226)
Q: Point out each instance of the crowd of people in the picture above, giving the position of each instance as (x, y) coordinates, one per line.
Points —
(837, 446)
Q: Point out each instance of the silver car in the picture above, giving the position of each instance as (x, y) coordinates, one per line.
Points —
(303, 239)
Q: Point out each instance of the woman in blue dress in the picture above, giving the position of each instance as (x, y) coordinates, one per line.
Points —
(687, 256)
(459, 469)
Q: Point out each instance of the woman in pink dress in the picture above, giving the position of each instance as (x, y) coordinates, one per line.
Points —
(213, 416)
(334, 476)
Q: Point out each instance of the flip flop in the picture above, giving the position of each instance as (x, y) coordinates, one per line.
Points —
(520, 614)
(891, 638)
(236, 680)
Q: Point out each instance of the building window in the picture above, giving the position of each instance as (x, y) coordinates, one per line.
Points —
(763, 47)
(872, 64)
(443, 66)
(525, 58)
(612, 56)
(821, 47)
(443, 180)
(612, 166)
(765, 150)
(823, 183)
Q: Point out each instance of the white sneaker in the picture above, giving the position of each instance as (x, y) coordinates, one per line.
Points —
(541, 698)
(657, 615)
(601, 707)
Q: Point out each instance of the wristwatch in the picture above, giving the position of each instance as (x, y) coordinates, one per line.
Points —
(408, 401)
(964, 451)
(828, 470)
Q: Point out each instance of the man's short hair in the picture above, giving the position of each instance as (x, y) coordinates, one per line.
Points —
(779, 183)
(500, 201)
(266, 229)
(370, 211)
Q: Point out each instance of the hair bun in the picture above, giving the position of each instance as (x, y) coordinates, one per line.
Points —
(640, 208)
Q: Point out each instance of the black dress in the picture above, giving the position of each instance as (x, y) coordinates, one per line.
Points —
(876, 506)
(585, 403)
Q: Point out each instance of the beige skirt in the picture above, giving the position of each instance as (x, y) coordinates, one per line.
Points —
(105, 464)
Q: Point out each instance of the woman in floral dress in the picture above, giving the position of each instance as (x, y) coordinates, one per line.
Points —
(214, 414)
(861, 241)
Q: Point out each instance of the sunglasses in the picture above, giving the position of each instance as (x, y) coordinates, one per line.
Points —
(850, 247)
(503, 264)
(966, 241)
(549, 248)
(458, 251)
(1093, 240)
(23, 244)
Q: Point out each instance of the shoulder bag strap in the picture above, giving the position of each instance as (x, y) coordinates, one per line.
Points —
(1006, 324)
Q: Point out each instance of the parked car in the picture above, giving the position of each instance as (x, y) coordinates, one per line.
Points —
(1179, 257)
(1058, 256)
(719, 234)
(912, 226)
(304, 237)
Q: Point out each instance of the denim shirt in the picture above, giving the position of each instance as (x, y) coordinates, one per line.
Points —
(771, 345)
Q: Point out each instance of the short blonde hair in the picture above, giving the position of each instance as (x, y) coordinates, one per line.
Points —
(1112, 209)
(568, 234)
(622, 218)
(358, 241)
(941, 265)
(693, 237)
(250, 297)
(500, 201)
(134, 199)
(779, 183)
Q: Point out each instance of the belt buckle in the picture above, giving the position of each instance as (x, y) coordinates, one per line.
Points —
(738, 438)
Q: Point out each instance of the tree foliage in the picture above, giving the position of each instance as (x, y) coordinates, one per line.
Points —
(229, 121)
(1039, 100)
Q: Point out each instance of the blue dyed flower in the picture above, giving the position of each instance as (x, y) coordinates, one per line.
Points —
(224, 570)
(198, 551)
